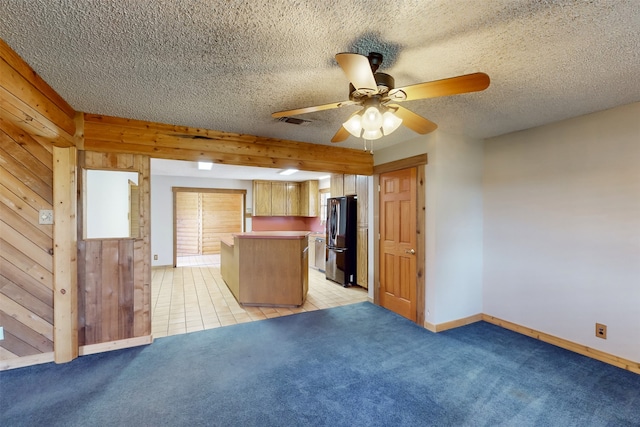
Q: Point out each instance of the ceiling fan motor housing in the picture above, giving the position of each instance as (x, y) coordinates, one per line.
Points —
(384, 82)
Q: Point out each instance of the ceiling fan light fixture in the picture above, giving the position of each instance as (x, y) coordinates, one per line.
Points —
(372, 134)
(390, 122)
(354, 125)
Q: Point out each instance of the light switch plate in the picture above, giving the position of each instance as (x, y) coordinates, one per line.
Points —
(45, 217)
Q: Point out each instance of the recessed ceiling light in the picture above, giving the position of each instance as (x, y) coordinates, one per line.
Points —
(324, 177)
(205, 166)
(288, 171)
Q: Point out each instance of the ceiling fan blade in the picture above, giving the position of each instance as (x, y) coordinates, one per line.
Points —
(452, 86)
(358, 70)
(413, 121)
(341, 135)
(308, 109)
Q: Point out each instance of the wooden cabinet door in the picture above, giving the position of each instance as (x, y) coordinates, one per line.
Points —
(278, 198)
(293, 199)
(349, 184)
(337, 185)
(304, 199)
(262, 198)
(309, 198)
(313, 198)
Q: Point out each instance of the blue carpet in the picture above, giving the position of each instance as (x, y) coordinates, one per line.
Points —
(358, 365)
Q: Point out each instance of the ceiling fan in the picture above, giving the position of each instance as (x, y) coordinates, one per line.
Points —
(375, 92)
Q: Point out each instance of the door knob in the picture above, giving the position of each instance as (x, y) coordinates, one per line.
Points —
(410, 251)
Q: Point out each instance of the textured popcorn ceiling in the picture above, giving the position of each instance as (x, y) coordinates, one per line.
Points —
(227, 65)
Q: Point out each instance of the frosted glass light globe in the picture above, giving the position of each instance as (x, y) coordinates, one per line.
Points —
(354, 125)
(372, 134)
(390, 123)
(371, 119)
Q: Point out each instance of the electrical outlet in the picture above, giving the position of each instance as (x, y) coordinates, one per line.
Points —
(1, 333)
(155, 257)
(601, 331)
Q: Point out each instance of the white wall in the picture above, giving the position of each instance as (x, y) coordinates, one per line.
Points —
(162, 209)
(562, 229)
(458, 240)
(107, 210)
(454, 222)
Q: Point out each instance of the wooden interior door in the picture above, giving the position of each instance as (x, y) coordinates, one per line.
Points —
(398, 218)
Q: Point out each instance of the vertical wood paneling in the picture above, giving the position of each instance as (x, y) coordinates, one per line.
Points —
(203, 216)
(221, 215)
(110, 288)
(90, 289)
(188, 218)
(125, 287)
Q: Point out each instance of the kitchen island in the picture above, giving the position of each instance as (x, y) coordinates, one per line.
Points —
(266, 268)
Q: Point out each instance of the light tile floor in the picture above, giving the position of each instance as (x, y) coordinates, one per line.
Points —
(194, 298)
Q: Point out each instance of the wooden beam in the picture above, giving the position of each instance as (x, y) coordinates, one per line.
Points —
(157, 140)
(65, 285)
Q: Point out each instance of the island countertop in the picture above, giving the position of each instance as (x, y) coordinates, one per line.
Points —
(272, 235)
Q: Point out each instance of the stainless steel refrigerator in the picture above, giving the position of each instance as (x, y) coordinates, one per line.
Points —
(342, 237)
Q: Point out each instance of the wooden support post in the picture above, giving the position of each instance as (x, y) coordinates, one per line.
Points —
(65, 278)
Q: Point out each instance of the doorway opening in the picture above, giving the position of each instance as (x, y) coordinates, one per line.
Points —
(201, 217)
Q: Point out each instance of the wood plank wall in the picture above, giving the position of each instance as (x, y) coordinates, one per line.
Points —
(203, 216)
(33, 118)
(187, 223)
(222, 214)
(114, 275)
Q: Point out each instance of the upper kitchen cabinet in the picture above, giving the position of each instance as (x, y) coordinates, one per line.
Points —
(277, 198)
(309, 198)
(349, 184)
(337, 185)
